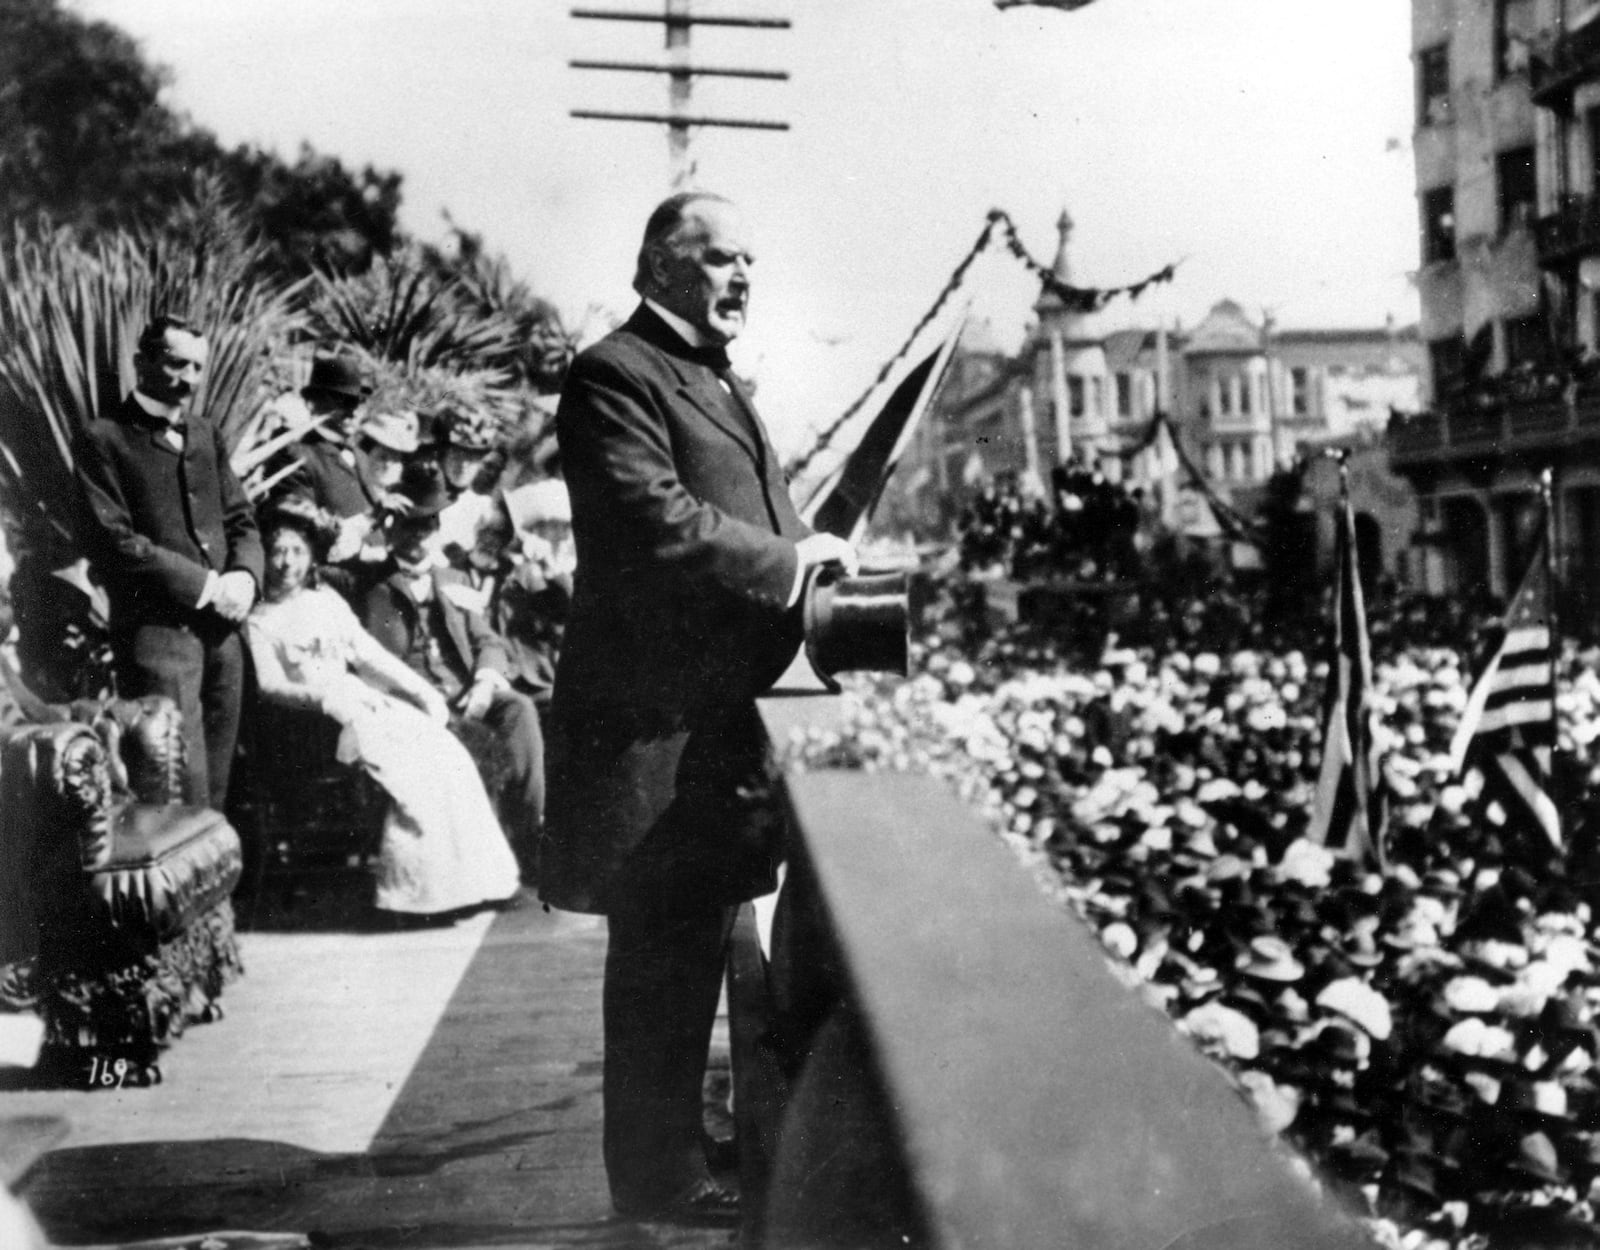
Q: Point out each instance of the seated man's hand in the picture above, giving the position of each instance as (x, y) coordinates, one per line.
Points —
(479, 697)
(818, 549)
(235, 595)
(395, 504)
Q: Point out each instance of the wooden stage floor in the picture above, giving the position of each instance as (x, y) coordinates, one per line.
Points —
(420, 1089)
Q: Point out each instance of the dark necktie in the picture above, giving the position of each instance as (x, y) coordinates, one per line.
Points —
(714, 358)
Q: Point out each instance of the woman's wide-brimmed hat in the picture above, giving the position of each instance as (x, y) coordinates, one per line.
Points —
(857, 624)
(398, 431)
(543, 501)
(468, 430)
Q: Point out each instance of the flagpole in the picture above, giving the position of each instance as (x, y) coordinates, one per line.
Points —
(1547, 497)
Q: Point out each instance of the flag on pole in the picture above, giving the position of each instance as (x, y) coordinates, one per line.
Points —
(1349, 811)
(1509, 725)
(842, 503)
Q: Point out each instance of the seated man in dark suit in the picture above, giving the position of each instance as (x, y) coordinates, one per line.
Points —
(432, 617)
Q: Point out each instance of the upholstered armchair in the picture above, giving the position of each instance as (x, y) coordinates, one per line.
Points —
(113, 895)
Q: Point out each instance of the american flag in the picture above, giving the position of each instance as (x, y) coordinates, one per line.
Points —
(1509, 726)
(1349, 810)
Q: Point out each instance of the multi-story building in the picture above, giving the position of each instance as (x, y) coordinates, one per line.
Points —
(1243, 396)
(1507, 150)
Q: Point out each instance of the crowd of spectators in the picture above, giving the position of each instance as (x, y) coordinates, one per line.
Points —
(1424, 1031)
(1083, 531)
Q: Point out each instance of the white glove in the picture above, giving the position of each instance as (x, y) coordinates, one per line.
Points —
(815, 549)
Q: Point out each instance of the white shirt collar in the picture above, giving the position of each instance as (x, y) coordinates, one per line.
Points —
(170, 413)
(688, 333)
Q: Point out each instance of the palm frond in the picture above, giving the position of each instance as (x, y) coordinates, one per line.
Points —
(403, 312)
(70, 315)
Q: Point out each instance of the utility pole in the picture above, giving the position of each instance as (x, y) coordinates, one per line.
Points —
(678, 20)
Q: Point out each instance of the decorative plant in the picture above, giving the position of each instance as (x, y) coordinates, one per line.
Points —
(402, 310)
(70, 315)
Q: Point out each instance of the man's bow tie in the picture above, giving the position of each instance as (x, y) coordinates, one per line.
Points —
(713, 358)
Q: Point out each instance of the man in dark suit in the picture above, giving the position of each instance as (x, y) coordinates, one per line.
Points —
(328, 472)
(433, 618)
(690, 565)
(171, 531)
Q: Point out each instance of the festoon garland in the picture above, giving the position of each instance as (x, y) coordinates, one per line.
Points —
(1079, 299)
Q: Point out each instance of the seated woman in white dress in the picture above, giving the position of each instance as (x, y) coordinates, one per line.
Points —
(442, 848)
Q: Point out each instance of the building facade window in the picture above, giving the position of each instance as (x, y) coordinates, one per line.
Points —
(1433, 85)
(1446, 364)
(1224, 393)
(1097, 397)
(1124, 394)
(1300, 391)
(1526, 339)
(1247, 386)
(1513, 29)
(1516, 186)
(1438, 224)
(1074, 395)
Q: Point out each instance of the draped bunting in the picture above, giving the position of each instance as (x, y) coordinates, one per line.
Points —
(1077, 298)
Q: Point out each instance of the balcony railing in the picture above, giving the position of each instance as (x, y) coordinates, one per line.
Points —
(1556, 72)
(1573, 230)
(971, 1073)
(1502, 424)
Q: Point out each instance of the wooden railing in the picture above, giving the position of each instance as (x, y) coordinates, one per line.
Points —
(946, 1058)
(1502, 426)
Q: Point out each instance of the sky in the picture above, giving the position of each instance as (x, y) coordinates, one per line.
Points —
(1264, 144)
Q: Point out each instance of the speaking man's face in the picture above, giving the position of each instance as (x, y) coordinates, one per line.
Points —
(705, 275)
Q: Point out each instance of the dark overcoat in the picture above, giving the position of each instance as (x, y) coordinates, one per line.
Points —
(391, 614)
(327, 474)
(685, 539)
(158, 520)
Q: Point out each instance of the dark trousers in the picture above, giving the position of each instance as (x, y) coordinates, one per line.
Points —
(202, 671)
(664, 967)
(515, 719)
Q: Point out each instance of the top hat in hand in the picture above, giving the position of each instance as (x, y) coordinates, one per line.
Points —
(857, 624)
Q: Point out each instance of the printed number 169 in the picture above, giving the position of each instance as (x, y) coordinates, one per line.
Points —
(106, 1073)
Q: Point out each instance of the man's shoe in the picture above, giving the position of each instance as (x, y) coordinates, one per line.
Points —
(705, 1203)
